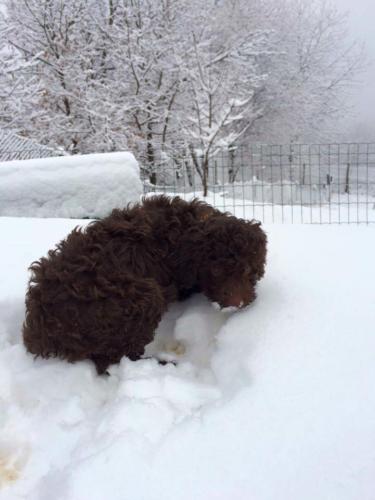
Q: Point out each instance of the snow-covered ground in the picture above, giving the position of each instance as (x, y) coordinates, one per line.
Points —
(69, 186)
(275, 401)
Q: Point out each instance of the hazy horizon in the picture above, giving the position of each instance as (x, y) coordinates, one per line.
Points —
(361, 14)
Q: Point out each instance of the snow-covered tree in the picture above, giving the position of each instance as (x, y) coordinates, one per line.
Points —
(147, 47)
(52, 72)
(311, 70)
(223, 81)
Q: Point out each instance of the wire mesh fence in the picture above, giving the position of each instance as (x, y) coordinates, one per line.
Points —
(295, 183)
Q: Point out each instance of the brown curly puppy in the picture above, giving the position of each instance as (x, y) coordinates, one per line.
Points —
(102, 292)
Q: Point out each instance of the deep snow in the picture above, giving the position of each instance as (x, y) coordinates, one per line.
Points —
(272, 402)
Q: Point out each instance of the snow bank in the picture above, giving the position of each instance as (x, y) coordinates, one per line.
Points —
(274, 401)
(69, 186)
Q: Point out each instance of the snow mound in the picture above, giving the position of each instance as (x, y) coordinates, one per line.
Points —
(87, 186)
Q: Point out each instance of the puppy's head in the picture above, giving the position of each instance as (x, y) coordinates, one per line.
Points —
(233, 261)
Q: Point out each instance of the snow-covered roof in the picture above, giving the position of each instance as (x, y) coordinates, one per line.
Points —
(14, 147)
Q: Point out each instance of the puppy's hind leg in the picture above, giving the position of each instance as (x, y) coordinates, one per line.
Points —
(129, 322)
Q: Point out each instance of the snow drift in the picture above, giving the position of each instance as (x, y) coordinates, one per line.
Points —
(69, 186)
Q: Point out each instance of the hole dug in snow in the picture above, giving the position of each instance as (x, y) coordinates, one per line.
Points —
(187, 333)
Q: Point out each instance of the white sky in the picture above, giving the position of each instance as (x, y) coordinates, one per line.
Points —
(361, 22)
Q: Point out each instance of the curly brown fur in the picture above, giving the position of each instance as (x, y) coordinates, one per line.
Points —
(102, 292)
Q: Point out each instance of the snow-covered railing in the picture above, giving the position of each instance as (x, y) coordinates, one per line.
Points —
(81, 186)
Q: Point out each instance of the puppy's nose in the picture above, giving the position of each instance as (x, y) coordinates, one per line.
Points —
(235, 300)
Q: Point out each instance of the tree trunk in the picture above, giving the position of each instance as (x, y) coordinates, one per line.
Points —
(150, 154)
(196, 162)
(205, 164)
(232, 173)
(189, 173)
(347, 179)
